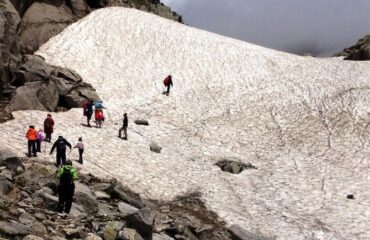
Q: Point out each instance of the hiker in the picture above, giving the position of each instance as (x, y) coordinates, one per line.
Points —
(88, 111)
(168, 83)
(99, 117)
(48, 127)
(61, 145)
(40, 138)
(67, 175)
(124, 127)
(31, 136)
(80, 147)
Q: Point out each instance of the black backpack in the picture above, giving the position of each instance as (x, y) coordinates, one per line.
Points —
(66, 177)
(61, 145)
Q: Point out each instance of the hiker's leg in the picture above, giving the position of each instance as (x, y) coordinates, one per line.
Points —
(80, 151)
(125, 131)
(38, 145)
(69, 197)
(120, 132)
(58, 159)
(61, 198)
(63, 157)
(29, 148)
(168, 89)
(34, 147)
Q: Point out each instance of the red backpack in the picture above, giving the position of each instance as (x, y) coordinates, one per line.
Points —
(166, 81)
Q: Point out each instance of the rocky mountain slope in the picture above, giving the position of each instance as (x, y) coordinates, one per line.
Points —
(359, 52)
(103, 209)
(303, 123)
(24, 26)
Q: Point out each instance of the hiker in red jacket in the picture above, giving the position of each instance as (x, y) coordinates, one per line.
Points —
(31, 136)
(48, 127)
(168, 83)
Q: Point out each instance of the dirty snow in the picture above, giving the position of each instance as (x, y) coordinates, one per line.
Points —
(303, 122)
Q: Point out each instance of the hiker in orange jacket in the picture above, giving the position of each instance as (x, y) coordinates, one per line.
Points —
(31, 136)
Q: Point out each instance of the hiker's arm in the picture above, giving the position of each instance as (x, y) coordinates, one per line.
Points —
(68, 144)
(52, 149)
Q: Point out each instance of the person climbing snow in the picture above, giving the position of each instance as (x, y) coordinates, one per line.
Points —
(124, 127)
(168, 83)
(61, 145)
(48, 127)
(88, 111)
(80, 147)
(40, 138)
(67, 175)
(31, 136)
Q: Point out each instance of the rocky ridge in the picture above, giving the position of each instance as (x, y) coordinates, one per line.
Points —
(103, 208)
(358, 52)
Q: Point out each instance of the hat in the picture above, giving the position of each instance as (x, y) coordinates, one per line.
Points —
(60, 137)
(49, 115)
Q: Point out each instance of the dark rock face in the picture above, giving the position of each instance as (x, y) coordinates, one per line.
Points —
(42, 86)
(9, 47)
(358, 52)
(141, 221)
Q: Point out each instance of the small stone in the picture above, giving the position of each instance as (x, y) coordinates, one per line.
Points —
(126, 209)
(154, 147)
(141, 122)
(100, 195)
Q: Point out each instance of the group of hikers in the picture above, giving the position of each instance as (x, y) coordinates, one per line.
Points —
(66, 173)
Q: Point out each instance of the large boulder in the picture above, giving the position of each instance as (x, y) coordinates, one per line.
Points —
(13, 228)
(5, 186)
(118, 190)
(42, 21)
(38, 174)
(9, 47)
(111, 230)
(85, 197)
(141, 221)
(12, 163)
(32, 69)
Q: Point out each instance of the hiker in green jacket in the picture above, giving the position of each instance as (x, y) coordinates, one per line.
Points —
(67, 174)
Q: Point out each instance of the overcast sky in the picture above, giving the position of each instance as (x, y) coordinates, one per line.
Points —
(320, 27)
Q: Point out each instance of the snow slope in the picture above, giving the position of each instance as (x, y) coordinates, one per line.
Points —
(304, 123)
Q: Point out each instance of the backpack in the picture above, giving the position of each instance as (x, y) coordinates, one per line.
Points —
(66, 177)
(166, 81)
(85, 108)
(61, 145)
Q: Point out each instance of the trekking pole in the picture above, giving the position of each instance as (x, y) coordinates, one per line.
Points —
(69, 152)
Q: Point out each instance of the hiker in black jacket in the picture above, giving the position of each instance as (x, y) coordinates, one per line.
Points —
(61, 145)
(124, 127)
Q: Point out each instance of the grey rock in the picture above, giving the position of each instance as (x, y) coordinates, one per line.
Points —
(142, 221)
(91, 236)
(161, 236)
(40, 22)
(27, 219)
(7, 174)
(101, 195)
(39, 229)
(111, 230)
(5, 186)
(104, 210)
(238, 233)
(38, 174)
(13, 228)
(118, 190)
(86, 198)
(33, 69)
(12, 163)
(126, 209)
(141, 122)
(359, 52)
(32, 237)
(79, 8)
(129, 234)
(154, 147)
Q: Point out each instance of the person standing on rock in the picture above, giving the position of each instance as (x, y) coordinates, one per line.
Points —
(67, 175)
(80, 147)
(40, 138)
(61, 145)
(31, 136)
(48, 127)
(124, 127)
